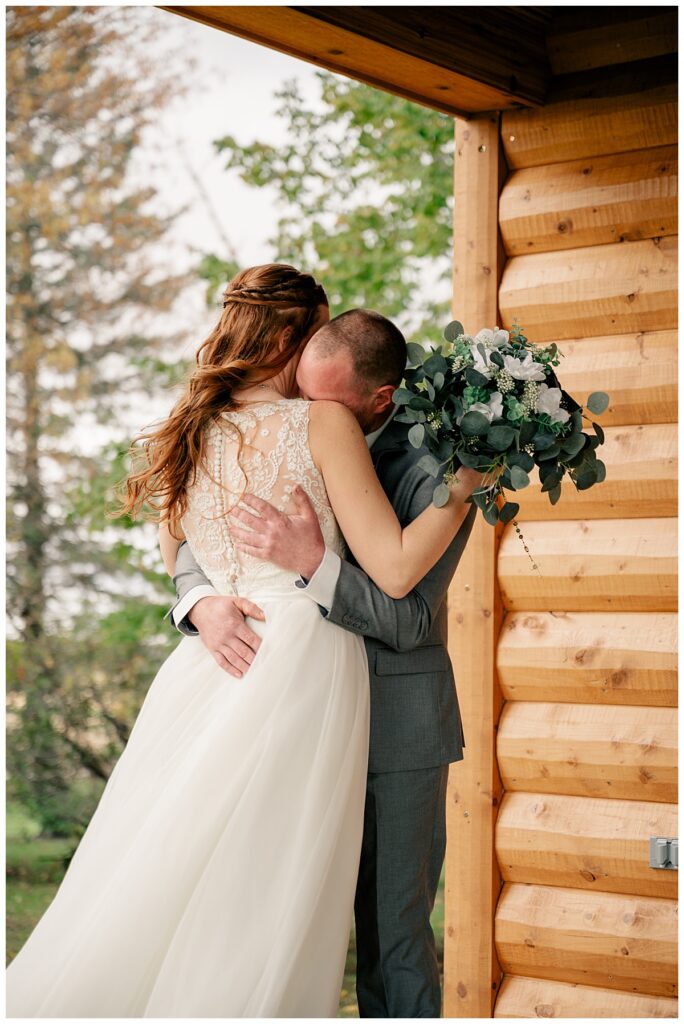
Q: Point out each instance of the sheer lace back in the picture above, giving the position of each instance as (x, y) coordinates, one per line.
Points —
(274, 456)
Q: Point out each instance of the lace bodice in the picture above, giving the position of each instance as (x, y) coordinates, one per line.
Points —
(274, 456)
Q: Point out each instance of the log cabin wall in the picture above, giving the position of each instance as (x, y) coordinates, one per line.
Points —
(586, 653)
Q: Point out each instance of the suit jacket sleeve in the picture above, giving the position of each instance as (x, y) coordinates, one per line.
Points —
(361, 607)
(187, 575)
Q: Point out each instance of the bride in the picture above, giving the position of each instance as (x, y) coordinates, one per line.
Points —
(216, 877)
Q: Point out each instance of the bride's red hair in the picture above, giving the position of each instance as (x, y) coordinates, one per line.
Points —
(241, 350)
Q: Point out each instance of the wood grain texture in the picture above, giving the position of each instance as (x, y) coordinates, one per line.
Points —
(638, 371)
(593, 201)
(507, 52)
(641, 478)
(606, 939)
(537, 997)
(627, 658)
(471, 971)
(591, 565)
(356, 55)
(584, 843)
(591, 37)
(608, 110)
(603, 289)
(620, 753)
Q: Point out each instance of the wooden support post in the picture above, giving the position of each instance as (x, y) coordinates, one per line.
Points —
(471, 970)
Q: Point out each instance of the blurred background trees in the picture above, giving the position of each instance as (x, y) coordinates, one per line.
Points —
(87, 292)
(365, 192)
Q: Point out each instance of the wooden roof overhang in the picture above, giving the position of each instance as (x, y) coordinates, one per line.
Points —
(460, 60)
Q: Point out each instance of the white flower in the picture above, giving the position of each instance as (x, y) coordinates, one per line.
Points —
(524, 369)
(493, 409)
(483, 366)
(548, 401)
(492, 338)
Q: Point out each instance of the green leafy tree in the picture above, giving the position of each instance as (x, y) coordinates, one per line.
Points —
(86, 293)
(365, 184)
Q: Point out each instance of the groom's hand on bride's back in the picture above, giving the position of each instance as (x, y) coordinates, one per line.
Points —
(292, 542)
(221, 624)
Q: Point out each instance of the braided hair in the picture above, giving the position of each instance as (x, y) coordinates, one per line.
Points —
(245, 347)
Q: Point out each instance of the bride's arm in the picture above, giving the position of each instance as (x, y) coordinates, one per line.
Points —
(395, 559)
(169, 545)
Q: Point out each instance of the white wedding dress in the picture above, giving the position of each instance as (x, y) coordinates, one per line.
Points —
(216, 877)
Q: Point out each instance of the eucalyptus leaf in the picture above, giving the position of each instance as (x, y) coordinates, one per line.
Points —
(421, 402)
(573, 444)
(496, 357)
(600, 471)
(555, 494)
(542, 441)
(483, 352)
(586, 478)
(527, 431)
(452, 330)
(500, 437)
(440, 495)
(519, 478)
(435, 364)
(479, 498)
(599, 431)
(474, 424)
(402, 396)
(476, 378)
(469, 459)
(416, 353)
(549, 453)
(438, 380)
(508, 511)
(597, 402)
(430, 464)
(546, 470)
(522, 459)
(430, 391)
(551, 481)
(491, 513)
(416, 435)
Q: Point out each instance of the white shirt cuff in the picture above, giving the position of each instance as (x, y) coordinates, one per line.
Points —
(321, 586)
(187, 603)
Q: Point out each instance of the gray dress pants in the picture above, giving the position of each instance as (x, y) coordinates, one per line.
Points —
(402, 854)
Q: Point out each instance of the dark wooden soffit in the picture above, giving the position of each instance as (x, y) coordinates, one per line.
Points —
(461, 60)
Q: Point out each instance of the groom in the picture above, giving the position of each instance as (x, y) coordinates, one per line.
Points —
(358, 358)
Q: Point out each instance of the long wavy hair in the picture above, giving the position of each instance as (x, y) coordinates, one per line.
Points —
(242, 349)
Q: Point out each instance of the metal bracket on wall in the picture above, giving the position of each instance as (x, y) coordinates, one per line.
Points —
(664, 853)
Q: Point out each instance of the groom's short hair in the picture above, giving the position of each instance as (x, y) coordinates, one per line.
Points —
(376, 345)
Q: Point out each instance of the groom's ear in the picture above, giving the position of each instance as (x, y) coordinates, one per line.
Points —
(383, 398)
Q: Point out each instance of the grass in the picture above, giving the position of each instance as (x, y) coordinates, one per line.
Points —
(36, 866)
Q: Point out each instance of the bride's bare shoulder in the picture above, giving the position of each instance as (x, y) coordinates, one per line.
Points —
(331, 425)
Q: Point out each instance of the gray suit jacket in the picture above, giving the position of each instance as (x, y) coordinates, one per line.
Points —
(415, 717)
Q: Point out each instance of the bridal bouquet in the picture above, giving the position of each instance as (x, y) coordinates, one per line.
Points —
(492, 402)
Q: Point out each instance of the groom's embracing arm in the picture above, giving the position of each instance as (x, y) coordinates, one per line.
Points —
(360, 606)
(191, 586)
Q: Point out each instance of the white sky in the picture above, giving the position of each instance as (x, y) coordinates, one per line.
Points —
(237, 99)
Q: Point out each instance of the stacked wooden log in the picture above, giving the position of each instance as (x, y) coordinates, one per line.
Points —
(586, 659)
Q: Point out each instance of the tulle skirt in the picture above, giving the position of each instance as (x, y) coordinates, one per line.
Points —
(216, 877)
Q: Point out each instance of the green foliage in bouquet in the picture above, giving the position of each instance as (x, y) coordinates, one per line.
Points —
(492, 402)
